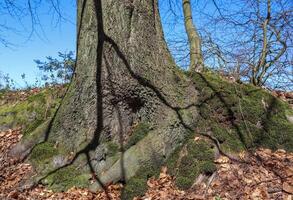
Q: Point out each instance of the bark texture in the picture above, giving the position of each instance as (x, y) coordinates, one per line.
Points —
(196, 59)
(124, 76)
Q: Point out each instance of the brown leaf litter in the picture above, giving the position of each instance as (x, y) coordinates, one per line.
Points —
(264, 175)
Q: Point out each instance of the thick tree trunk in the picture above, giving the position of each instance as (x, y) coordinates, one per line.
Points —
(124, 77)
(196, 59)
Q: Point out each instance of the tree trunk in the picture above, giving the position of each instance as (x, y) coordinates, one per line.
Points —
(259, 70)
(125, 77)
(196, 59)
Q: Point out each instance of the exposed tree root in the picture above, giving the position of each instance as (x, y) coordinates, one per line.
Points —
(218, 146)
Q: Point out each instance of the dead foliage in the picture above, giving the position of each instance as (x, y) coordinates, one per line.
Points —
(264, 175)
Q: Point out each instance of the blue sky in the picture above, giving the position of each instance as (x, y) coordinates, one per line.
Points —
(52, 36)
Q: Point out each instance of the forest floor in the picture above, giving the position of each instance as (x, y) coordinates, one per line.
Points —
(263, 174)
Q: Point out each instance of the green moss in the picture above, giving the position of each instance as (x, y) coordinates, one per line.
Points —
(41, 97)
(137, 186)
(139, 132)
(242, 116)
(42, 153)
(31, 127)
(65, 178)
(112, 148)
(2, 92)
(228, 137)
(8, 119)
(30, 113)
(188, 162)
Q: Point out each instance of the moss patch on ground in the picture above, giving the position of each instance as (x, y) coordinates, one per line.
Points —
(137, 186)
(190, 160)
(65, 178)
(42, 153)
(32, 112)
(242, 116)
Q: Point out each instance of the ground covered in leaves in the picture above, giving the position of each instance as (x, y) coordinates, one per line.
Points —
(262, 174)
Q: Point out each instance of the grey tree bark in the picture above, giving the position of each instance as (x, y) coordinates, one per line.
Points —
(124, 76)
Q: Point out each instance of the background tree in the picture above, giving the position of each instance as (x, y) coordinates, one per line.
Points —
(57, 70)
(233, 34)
(258, 47)
(196, 59)
(6, 83)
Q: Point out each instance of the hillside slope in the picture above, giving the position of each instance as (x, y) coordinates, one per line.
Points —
(232, 118)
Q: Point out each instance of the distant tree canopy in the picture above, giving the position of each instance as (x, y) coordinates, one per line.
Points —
(6, 82)
(248, 39)
(57, 70)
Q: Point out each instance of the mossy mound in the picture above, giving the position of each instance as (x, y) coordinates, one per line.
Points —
(42, 152)
(242, 116)
(31, 112)
(187, 162)
(137, 186)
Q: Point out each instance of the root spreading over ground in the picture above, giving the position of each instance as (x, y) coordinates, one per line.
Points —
(264, 175)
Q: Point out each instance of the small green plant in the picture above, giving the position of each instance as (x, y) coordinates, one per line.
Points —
(217, 198)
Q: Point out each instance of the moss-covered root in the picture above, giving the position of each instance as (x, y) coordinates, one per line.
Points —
(138, 133)
(53, 168)
(29, 141)
(137, 186)
(187, 163)
(66, 178)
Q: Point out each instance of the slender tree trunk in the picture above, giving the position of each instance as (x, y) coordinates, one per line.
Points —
(124, 76)
(259, 71)
(196, 59)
